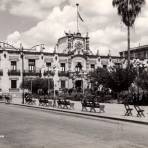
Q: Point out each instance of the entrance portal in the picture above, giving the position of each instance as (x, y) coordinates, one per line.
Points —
(78, 85)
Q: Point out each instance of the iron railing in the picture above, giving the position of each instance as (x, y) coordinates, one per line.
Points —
(14, 73)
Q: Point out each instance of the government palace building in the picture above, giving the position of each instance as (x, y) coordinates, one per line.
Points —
(68, 65)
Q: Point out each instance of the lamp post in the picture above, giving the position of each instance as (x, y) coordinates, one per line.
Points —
(31, 85)
(48, 81)
(73, 77)
(22, 57)
(83, 77)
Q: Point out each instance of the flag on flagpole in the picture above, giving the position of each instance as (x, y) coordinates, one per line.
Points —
(80, 17)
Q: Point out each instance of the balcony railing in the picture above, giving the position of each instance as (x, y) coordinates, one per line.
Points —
(48, 73)
(1, 72)
(14, 73)
(14, 89)
(63, 74)
(32, 73)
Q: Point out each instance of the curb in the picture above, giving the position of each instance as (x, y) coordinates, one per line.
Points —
(81, 113)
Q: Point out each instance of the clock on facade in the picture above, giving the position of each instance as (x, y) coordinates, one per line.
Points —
(78, 45)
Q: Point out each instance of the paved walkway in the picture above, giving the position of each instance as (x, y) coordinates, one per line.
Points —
(112, 111)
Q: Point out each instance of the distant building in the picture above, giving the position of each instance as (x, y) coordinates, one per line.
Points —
(140, 52)
(72, 60)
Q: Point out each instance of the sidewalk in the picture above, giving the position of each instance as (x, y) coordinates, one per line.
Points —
(112, 111)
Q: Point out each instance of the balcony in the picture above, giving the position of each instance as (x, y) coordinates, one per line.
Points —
(14, 73)
(1, 72)
(48, 73)
(63, 74)
(14, 89)
(32, 73)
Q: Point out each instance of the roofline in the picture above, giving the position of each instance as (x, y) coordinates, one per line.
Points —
(29, 51)
(135, 48)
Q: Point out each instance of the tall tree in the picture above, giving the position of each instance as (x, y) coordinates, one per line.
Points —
(142, 81)
(128, 10)
(99, 76)
(120, 79)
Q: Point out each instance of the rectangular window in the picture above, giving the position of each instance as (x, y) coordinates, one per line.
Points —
(92, 66)
(62, 66)
(13, 65)
(31, 64)
(63, 84)
(48, 64)
(104, 66)
(13, 84)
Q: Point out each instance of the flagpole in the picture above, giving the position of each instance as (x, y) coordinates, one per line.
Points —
(77, 18)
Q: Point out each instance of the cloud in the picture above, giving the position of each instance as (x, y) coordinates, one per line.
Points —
(14, 38)
(30, 8)
(49, 30)
(100, 19)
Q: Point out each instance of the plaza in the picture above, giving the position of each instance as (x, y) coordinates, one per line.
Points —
(33, 128)
(72, 76)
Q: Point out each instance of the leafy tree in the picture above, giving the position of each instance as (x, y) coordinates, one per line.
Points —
(120, 79)
(142, 81)
(128, 10)
(38, 83)
(99, 76)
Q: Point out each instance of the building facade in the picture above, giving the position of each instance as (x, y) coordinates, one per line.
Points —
(138, 56)
(68, 65)
(140, 52)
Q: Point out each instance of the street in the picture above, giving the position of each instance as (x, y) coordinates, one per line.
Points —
(22, 127)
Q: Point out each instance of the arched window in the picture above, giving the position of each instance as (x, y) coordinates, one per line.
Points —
(78, 67)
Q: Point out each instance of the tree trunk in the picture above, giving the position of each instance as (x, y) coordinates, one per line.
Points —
(128, 45)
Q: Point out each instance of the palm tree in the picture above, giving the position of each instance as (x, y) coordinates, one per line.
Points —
(128, 10)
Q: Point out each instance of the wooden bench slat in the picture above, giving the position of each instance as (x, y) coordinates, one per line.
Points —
(92, 106)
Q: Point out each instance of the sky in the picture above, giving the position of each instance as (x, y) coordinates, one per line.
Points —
(33, 22)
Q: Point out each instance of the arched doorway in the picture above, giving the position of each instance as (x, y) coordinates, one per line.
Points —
(79, 85)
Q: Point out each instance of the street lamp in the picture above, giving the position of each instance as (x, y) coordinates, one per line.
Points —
(22, 57)
(48, 81)
(83, 74)
(73, 77)
(31, 85)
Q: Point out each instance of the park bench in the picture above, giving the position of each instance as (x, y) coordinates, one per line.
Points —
(29, 100)
(92, 106)
(128, 110)
(139, 111)
(43, 102)
(65, 104)
(1, 97)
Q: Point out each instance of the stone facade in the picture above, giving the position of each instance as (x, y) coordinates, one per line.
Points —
(68, 65)
(140, 52)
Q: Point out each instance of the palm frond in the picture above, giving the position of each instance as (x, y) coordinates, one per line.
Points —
(128, 14)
